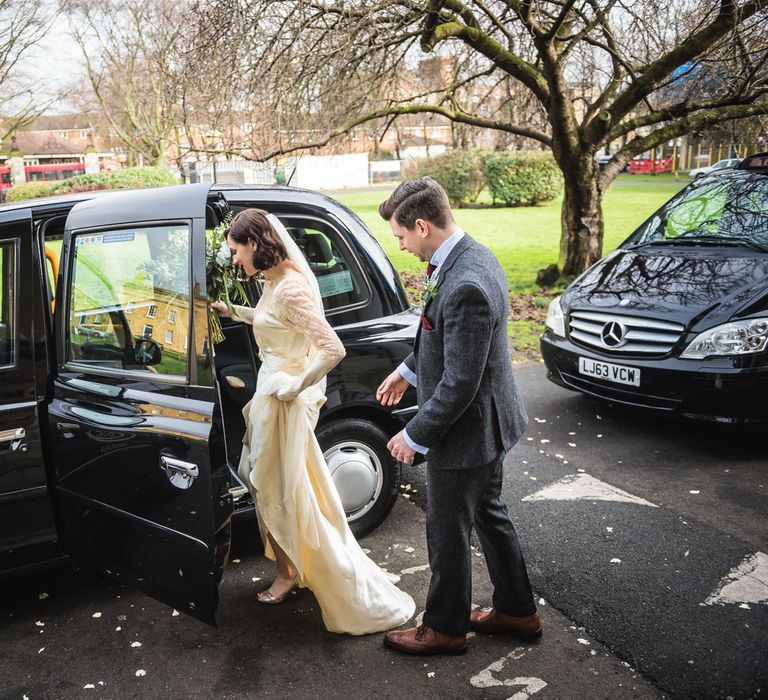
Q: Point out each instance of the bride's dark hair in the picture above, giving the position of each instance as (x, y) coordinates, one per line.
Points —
(253, 225)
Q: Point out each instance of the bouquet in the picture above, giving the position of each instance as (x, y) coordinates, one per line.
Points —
(224, 278)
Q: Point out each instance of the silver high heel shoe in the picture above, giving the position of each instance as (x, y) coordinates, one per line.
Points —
(268, 599)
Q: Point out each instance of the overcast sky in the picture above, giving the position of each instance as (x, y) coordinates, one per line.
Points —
(54, 62)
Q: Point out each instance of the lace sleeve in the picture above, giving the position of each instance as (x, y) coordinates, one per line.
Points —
(243, 313)
(295, 307)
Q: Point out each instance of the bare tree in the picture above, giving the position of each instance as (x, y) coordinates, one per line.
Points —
(22, 24)
(597, 72)
(133, 51)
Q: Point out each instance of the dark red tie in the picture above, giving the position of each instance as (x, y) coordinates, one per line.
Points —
(430, 269)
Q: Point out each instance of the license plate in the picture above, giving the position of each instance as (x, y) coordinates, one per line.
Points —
(619, 374)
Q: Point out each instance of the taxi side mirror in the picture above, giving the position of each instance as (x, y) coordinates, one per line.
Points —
(147, 352)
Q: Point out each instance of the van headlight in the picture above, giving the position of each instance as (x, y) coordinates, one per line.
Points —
(734, 338)
(556, 318)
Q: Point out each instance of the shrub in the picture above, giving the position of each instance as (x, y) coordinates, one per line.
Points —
(30, 190)
(129, 178)
(460, 172)
(521, 177)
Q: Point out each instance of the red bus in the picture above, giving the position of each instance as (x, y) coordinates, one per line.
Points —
(35, 173)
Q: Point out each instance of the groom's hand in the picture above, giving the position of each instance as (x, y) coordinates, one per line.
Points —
(400, 450)
(392, 389)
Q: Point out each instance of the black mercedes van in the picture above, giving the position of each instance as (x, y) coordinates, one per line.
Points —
(675, 320)
(121, 422)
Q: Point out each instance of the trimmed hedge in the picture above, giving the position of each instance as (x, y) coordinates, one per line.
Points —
(459, 172)
(128, 178)
(520, 177)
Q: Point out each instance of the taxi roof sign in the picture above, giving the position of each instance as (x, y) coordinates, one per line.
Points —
(758, 161)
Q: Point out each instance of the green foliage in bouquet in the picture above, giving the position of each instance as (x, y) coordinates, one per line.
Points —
(224, 278)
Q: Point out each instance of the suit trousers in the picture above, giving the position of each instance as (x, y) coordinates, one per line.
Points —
(457, 501)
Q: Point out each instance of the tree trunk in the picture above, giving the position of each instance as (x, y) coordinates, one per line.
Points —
(581, 237)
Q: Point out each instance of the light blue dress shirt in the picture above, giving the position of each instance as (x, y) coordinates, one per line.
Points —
(437, 259)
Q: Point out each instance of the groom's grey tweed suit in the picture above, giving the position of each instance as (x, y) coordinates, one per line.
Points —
(470, 414)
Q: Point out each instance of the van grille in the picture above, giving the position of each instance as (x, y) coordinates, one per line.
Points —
(624, 334)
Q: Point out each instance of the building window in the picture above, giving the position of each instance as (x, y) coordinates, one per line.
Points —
(83, 133)
(129, 308)
(152, 312)
(169, 337)
(171, 316)
(99, 318)
(147, 332)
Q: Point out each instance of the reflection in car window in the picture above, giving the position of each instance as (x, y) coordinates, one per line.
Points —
(8, 304)
(338, 275)
(125, 286)
(729, 207)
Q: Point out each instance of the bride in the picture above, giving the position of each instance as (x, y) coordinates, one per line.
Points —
(299, 511)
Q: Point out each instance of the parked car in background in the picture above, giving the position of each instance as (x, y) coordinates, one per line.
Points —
(720, 165)
(675, 320)
(120, 424)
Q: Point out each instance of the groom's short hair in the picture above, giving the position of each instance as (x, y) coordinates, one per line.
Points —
(417, 199)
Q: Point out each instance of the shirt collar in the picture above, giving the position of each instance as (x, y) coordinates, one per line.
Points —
(440, 255)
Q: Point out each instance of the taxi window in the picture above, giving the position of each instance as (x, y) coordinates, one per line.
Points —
(341, 281)
(8, 304)
(126, 285)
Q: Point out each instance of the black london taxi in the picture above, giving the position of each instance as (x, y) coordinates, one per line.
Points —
(121, 423)
(675, 321)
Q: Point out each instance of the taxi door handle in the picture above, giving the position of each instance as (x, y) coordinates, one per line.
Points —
(181, 474)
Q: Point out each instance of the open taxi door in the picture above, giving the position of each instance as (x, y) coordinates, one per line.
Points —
(136, 461)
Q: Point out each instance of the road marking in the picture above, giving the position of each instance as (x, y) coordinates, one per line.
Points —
(746, 583)
(415, 569)
(487, 679)
(583, 487)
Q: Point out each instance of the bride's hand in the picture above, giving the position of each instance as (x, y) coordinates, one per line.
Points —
(221, 308)
(288, 389)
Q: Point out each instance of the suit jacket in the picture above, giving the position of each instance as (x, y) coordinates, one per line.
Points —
(470, 408)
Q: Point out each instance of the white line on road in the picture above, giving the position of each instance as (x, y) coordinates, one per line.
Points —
(583, 487)
(746, 583)
(487, 679)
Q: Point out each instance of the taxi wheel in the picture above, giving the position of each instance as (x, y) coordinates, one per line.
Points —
(366, 476)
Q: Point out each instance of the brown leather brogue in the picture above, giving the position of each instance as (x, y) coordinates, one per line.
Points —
(424, 641)
(496, 622)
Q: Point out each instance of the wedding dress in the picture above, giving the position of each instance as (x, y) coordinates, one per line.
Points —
(283, 465)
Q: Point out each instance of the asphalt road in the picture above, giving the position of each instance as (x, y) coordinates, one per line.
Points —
(640, 577)
(629, 588)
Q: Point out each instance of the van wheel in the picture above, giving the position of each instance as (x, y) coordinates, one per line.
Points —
(366, 476)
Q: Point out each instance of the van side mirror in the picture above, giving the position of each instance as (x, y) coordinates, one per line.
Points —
(147, 352)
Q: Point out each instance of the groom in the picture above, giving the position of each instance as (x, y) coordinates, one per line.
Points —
(470, 413)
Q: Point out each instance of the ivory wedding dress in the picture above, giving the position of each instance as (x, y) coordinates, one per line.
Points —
(283, 465)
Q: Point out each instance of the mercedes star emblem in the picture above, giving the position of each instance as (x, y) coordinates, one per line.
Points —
(612, 334)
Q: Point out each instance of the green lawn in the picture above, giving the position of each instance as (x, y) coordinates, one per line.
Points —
(525, 239)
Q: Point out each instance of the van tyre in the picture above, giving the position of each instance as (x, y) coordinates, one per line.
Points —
(366, 476)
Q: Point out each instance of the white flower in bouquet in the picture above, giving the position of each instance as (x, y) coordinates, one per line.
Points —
(223, 277)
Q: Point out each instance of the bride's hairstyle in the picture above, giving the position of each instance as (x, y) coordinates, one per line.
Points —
(253, 225)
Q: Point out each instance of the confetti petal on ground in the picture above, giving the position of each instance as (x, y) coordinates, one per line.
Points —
(175, 613)
(615, 561)
(695, 493)
(42, 596)
(40, 623)
(582, 641)
(96, 615)
(141, 672)
(117, 629)
(135, 645)
(571, 444)
(544, 441)
(409, 550)
(41, 650)
(235, 561)
(366, 551)
(89, 686)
